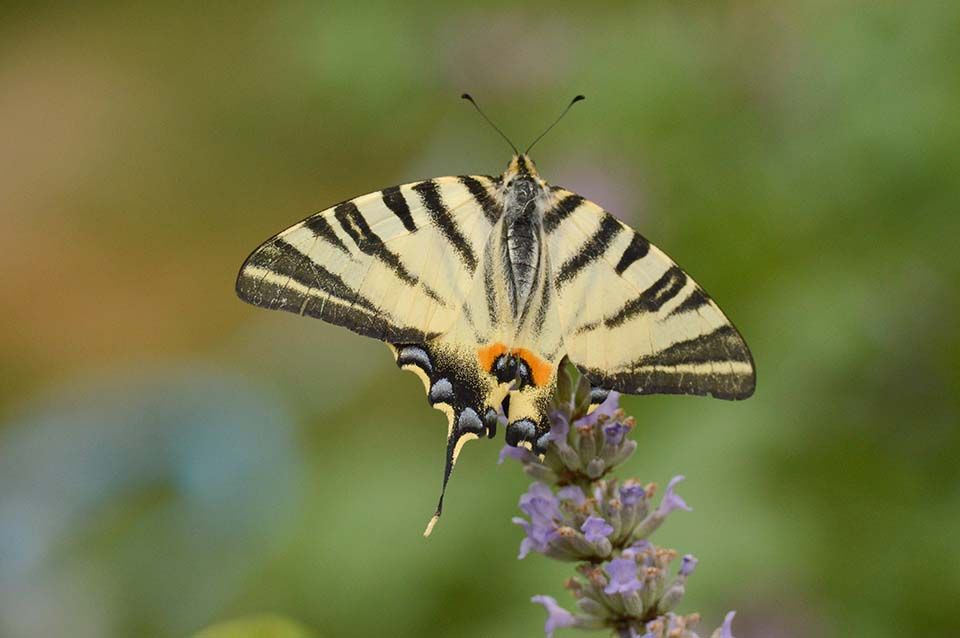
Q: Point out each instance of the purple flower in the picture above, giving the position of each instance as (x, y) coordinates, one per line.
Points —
(672, 501)
(543, 508)
(572, 493)
(688, 564)
(557, 616)
(539, 502)
(595, 529)
(637, 548)
(614, 432)
(521, 454)
(539, 534)
(725, 631)
(623, 576)
(610, 405)
(559, 427)
(632, 493)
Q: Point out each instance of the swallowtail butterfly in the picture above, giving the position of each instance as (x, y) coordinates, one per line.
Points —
(481, 285)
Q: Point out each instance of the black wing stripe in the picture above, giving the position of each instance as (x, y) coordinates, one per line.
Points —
(541, 318)
(721, 345)
(489, 287)
(397, 203)
(651, 299)
(321, 228)
(637, 249)
(355, 225)
(652, 374)
(283, 259)
(560, 211)
(592, 249)
(341, 304)
(696, 299)
(491, 209)
(361, 322)
(732, 387)
(587, 327)
(440, 215)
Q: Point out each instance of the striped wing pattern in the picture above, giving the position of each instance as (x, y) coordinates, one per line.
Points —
(483, 307)
(632, 320)
(394, 264)
(402, 265)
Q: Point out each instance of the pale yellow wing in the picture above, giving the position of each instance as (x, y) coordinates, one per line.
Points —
(632, 320)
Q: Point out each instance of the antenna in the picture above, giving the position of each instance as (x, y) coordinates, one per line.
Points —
(467, 97)
(555, 122)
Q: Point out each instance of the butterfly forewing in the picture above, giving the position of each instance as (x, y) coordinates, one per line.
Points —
(390, 264)
(632, 319)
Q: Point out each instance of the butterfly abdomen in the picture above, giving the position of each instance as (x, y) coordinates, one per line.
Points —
(521, 241)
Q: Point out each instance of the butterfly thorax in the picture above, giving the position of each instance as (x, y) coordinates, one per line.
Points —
(522, 217)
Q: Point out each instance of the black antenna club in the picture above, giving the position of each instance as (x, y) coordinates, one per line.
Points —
(555, 122)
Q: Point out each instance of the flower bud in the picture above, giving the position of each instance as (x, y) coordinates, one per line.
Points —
(596, 467)
(670, 599)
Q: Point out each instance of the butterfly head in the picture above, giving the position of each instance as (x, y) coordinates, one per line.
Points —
(521, 186)
(521, 166)
(521, 178)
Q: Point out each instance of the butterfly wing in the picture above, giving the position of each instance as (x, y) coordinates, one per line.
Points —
(399, 265)
(632, 320)
(395, 264)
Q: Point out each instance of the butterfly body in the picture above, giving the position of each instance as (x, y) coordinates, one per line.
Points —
(481, 285)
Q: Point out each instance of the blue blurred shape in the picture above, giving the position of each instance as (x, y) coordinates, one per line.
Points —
(167, 484)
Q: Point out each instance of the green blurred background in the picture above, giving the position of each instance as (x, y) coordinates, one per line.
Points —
(170, 457)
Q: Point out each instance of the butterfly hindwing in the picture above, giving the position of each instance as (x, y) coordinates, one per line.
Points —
(633, 321)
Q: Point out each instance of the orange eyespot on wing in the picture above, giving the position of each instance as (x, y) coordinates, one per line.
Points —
(487, 355)
(540, 370)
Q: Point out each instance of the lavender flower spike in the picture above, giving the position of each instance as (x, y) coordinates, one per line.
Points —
(539, 534)
(519, 453)
(596, 529)
(632, 493)
(623, 577)
(557, 616)
(539, 502)
(559, 427)
(671, 500)
(724, 631)
(614, 432)
(688, 565)
(578, 511)
(607, 409)
(573, 494)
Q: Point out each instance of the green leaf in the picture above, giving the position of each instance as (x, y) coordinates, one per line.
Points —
(582, 397)
(563, 397)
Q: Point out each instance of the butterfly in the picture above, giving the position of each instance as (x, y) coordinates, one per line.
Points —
(481, 285)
